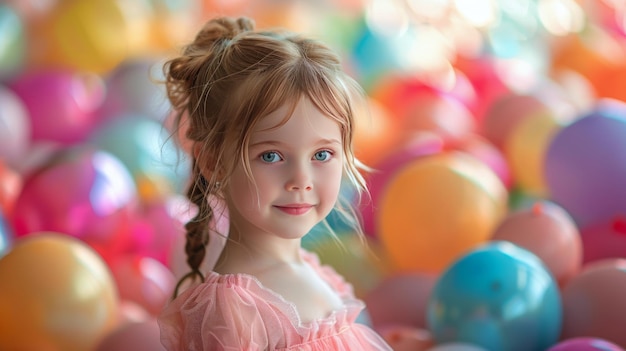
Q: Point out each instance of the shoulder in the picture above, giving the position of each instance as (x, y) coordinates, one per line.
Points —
(228, 310)
(329, 274)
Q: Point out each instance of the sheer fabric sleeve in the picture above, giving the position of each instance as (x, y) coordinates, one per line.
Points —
(219, 316)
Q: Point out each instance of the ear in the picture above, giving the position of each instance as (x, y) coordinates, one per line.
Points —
(206, 163)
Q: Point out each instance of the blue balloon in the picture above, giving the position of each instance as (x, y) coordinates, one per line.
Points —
(498, 296)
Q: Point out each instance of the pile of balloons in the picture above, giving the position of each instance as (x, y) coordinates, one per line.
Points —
(496, 218)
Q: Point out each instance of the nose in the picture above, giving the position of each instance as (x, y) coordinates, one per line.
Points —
(299, 178)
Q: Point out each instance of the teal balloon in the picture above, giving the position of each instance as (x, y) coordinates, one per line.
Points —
(147, 149)
(498, 296)
(12, 43)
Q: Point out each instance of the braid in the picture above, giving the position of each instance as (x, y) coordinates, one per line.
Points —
(197, 237)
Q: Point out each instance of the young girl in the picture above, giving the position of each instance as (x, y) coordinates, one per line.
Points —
(270, 116)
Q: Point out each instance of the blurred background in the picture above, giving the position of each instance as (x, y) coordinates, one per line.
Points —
(496, 219)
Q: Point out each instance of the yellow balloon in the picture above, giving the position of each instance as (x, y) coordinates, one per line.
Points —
(438, 207)
(525, 151)
(84, 35)
(56, 293)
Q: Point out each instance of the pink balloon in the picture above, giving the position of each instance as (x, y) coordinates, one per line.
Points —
(83, 192)
(400, 299)
(549, 232)
(137, 336)
(61, 104)
(143, 280)
(585, 344)
(593, 302)
(153, 229)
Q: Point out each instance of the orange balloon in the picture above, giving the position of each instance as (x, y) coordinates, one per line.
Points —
(56, 294)
(438, 207)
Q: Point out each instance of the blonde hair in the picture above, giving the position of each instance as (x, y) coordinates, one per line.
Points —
(229, 78)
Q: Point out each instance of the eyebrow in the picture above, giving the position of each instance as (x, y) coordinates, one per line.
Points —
(279, 143)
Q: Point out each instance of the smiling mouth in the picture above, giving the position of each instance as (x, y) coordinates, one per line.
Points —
(295, 209)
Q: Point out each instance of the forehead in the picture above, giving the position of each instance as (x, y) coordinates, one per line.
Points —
(295, 120)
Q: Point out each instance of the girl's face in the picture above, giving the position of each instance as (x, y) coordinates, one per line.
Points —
(297, 169)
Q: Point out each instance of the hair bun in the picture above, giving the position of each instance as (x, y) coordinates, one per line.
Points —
(223, 28)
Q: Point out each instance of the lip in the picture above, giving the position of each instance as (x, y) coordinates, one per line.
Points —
(295, 209)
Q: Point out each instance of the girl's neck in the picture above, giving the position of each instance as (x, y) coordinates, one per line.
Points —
(257, 253)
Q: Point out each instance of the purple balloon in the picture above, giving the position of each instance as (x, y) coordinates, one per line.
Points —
(585, 344)
(585, 165)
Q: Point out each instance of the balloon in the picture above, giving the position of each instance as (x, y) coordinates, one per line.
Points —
(137, 336)
(135, 87)
(593, 302)
(487, 79)
(525, 151)
(156, 164)
(143, 280)
(436, 208)
(506, 112)
(400, 299)
(11, 183)
(153, 228)
(100, 30)
(498, 296)
(422, 144)
(15, 128)
(585, 344)
(12, 48)
(548, 231)
(485, 151)
(604, 240)
(375, 134)
(82, 191)
(585, 165)
(61, 104)
(595, 55)
(57, 294)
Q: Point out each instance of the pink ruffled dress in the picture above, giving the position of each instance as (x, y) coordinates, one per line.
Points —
(236, 312)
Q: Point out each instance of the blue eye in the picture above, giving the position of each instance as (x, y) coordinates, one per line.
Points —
(270, 157)
(323, 155)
